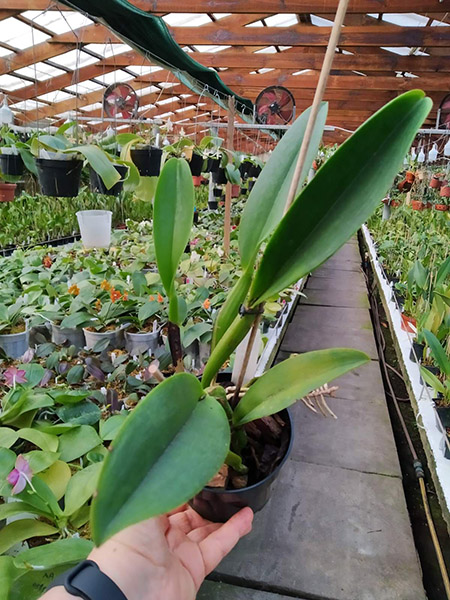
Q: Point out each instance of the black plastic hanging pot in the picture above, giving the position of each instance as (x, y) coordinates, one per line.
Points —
(219, 176)
(196, 164)
(195, 216)
(218, 505)
(212, 165)
(254, 171)
(97, 184)
(147, 160)
(213, 204)
(59, 177)
(11, 164)
(416, 350)
(244, 168)
(217, 192)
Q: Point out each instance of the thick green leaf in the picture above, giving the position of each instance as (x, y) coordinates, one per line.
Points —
(100, 163)
(78, 319)
(418, 275)
(293, 379)
(57, 477)
(8, 573)
(139, 282)
(11, 509)
(342, 195)
(18, 531)
(195, 332)
(265, 205)
(438, 352)
(77, 442)
(444, 272)
(75, 374)
(83, 413)
(66, 395)
(41, 460)
(432, 380)
(172, 217)
(8, 437)
(167, 450)
(42, 440)
(110, 428)
(61, 552)
(81, 487)
(148, 309)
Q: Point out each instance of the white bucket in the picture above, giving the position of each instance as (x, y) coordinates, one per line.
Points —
(95, 228)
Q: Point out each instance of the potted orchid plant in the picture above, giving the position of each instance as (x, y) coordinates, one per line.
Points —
(14, 331)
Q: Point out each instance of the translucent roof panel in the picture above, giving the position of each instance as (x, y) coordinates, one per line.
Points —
(167, 84)
(320, 21)
(439, 23)
(27, 105)
(185, 108)
(404, 50)
(281, 20)
(94, 106)
(40, 71)
(9, 82)
(144, 69)
(74, 59)
(107, 50)
(403, 19)
(168, 100)
(256, 24)
(4, 51)
(57, 22)
(56, 96)
(151, 89)
(219, 16)
(114, 77)
(20, 35)
(268, 50)
(186, 19)
(84, 87)
(206, 48)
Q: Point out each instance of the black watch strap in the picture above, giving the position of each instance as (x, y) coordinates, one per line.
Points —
(88, 582)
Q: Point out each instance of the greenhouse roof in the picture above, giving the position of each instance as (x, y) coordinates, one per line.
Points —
(56, 63)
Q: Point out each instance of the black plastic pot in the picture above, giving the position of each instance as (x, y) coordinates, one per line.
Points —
(244, 168)
(416, 350)
(254, 171)
(250, 185)
(147, 160)
(212, 165)
(443, 416)
(217, 192)
(218, 505)
(213, 204)
(11, 164)
(432, 369)
(219, 176)
(196, 216)
(97, 184)
(196, 164)
(59, 177)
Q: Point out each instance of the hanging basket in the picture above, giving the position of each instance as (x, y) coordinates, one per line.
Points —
(147, 160)
(196, 164)
(11, 164)
(60, 178)
(97, 184)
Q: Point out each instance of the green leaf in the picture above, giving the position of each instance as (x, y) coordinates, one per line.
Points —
(172, 217)
(57, 477)
(78, 319)
(61, 552)
(293, 379)
(147, 310)
(83, 413)
(40, 461)
(8, 437)
(34, 373)
(443, 272)
(77, 442)
(232, 174)
(418, 275)
(75, 374)
(432, 380)
(110, 428)
(146, 188)
(11, 509)
(342, 195)
(195, 332)
(19, 531)
(8, 573)
(42, 440)
(65, 395)
(80, 488)
(158, 460)
(265, 205)
(437, 352)
(139, 282)
(101, 345)
(100, 163)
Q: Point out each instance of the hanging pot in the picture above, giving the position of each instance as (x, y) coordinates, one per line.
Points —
(417, 205)
(410, 177)
(147, 160)
(217, 192)
(235, 191)
(219, 177)
(218, 504)
(445, 191)
(116, 337)
(7, 191)
(195, 216)
(97, 184)
(11, 164)
(72, 336)
(254, 171)
(59, 178)
(15, 344)
(196, 164)
(142, 342)
(435, 183)
(212, 204)
(212, 165)
(197, 180)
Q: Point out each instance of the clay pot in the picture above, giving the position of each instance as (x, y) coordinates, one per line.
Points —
(417, 204)
(441, 207)
(410, 177)
(235, 191)
(394, 203)
(409, 324)
(445, 191)
(435, 183)
(7, 191)
(197, 180)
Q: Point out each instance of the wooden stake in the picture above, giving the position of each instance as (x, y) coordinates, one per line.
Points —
(321, 85)
(227, 219)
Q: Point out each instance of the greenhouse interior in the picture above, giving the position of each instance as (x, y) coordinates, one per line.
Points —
(225, 300)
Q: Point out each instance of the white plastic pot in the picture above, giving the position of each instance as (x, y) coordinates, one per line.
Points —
(116, 337)
(95, 228)
(140, 343)
(15, 344)
(72, 335)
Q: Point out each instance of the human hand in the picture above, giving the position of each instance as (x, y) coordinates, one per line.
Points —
(167, 557)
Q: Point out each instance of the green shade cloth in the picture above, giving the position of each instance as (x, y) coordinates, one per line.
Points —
(149, 35)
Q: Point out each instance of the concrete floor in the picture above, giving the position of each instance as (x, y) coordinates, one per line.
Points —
(336, 527)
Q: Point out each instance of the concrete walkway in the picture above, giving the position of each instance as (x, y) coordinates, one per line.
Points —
(336, 527)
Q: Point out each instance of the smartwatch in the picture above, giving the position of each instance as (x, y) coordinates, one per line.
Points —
(88, 582)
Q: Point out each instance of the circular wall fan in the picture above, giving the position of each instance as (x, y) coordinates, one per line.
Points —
(120, 101)
(275, 105)
(444, 113)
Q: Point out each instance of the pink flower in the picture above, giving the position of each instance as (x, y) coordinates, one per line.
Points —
(12, 375)
(195, 241)
(20, 475)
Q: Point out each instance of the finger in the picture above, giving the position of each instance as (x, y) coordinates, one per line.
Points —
(187, 520)
(180, 509)
(219, 543)
(199, 534)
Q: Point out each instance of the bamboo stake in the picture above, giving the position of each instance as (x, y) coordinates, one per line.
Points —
(320, 90)
(230, 136)
(248, 352)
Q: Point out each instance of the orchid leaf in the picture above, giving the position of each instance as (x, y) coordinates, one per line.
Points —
(438, 352)
(100, 163)
(158, 459)
(343, 194)
(265, 205)
(61, 552)
(24, 529)
(80, 488)
(293, 379)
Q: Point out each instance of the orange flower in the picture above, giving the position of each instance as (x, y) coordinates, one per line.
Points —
(151, 298)
(105, 285)
(125, 296)
(114, 295)
(74, 290)
(206, 304)
(160, 298)
(98, 305)
(47, 261)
